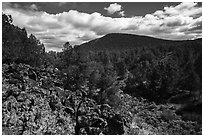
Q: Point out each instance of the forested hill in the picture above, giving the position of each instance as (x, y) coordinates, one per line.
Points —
(122, 41)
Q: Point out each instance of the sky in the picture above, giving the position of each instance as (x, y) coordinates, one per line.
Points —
(55, 23)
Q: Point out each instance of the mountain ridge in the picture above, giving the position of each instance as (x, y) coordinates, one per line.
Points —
(122, 41)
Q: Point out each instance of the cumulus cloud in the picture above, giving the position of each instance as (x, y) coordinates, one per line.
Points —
(34, 7)
(189, 9)
(122, 13)
(183, 21)
(115, 8)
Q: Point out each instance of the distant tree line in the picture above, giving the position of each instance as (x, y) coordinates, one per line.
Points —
(154, 73)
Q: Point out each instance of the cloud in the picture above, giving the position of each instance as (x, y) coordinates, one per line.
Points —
(122, 13)
(183, 21)
(189, 9)
(115, 8)
(33, 7)
(177, 21)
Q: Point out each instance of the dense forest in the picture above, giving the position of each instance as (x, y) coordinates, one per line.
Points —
(140, 85)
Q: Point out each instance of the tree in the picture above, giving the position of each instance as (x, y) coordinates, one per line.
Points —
(17, 47)
(67, 46)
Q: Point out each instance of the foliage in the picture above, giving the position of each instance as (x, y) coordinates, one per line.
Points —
(17, 47)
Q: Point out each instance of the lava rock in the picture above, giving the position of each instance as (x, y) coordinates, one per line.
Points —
(32, 75)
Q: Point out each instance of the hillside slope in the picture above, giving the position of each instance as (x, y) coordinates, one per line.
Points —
(121, 41)
(33, 105)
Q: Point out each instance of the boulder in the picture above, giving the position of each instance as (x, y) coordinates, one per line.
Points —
(115, 125)
(32, 75)
(69, 110)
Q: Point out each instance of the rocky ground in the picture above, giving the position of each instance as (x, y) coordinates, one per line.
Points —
(27, 93)
(32, 105)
